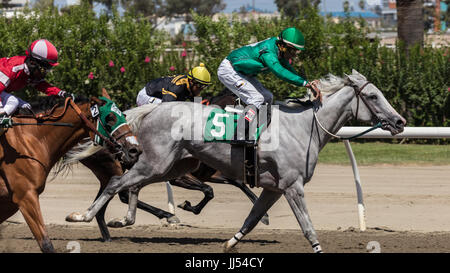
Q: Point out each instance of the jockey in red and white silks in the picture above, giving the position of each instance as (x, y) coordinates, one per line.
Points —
(19, 72)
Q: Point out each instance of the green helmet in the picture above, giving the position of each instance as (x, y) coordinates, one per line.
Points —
(294, 37)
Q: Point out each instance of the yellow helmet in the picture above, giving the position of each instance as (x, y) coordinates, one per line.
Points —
(200, 74)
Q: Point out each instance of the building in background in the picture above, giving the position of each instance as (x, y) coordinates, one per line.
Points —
(388, 14)
(372, 19)
(14, 7)
(434, 15)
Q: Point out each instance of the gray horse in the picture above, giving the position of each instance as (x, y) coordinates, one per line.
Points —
(170, 152)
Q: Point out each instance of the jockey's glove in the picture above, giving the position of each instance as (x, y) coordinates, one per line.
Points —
(65, 94)
(5, 121)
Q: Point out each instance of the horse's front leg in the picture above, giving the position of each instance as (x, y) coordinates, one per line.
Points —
(117, 183)
(31, 211)
(130, 218)
(296, 198)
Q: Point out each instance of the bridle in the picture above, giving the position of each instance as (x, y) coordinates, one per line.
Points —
(358, 91)
(117, 146)
(110, 140)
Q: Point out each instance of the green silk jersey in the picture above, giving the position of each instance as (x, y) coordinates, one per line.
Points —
(264, 57)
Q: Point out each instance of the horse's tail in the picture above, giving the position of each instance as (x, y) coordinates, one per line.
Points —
(79, 152)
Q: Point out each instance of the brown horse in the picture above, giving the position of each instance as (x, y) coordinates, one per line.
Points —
(104, 166)
(28, 153)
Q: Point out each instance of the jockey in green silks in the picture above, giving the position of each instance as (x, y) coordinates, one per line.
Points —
(239, 69)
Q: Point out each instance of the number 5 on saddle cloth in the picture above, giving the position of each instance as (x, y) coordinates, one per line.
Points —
(229, 126)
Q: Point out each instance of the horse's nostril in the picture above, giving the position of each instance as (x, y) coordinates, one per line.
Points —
(133, 151)
(399, 124)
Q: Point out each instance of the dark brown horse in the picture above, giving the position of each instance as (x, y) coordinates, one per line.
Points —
(28, 153)
(103, 165)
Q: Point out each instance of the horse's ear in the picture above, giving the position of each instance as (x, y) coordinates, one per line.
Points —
(353, 78)
(105, 94)
(98, 101)
(356, 73)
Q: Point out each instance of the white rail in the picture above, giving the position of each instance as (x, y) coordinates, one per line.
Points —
(409, 132)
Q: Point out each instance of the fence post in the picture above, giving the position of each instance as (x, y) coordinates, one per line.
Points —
(361, 208)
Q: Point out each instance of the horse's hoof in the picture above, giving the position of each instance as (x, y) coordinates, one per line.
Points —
(106, 240)
(116, 223)
(75, 217)
(265, 220)
(173, 220)
(185, 205)
(227, 249)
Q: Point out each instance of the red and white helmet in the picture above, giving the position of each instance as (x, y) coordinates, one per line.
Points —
(43, 51)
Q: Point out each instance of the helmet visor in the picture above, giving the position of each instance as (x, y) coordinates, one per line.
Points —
(199, 85)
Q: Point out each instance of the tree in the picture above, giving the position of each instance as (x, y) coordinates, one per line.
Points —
(43, 4)
(201, 7)
(362, 4)
(377, 9)
(346, 6)
(410, 22)
(243, 9)
(5, 4)
(292, 8)
(108, 3)
(146, 8)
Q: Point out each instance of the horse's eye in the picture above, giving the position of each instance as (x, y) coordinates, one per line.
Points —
(110, 119)
(373, 97)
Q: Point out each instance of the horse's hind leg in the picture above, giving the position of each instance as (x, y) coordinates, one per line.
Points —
(31, 211)
(295, 197)
(250, 195)
(171, 218)
(262, 204)
(191, 183)
(218, 178)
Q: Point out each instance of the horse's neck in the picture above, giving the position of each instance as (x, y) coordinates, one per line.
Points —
(59, 140)
(334, 113)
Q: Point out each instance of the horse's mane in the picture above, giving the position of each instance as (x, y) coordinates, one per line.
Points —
(43, 104)
(330, 84)
(135, 115)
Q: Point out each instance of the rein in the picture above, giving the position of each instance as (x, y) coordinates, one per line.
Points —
(40, 124)
(358, 96)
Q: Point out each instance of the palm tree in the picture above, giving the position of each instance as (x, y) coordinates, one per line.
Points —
(410, 22)
(346, 6)
(362, 4)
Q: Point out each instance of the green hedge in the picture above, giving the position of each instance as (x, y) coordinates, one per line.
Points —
(416, 86)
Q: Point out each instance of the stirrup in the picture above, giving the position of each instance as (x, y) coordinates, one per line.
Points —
(243, 142)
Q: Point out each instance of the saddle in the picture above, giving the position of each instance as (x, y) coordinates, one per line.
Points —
(222, 126)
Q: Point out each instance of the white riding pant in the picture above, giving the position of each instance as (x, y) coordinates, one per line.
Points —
(10, 103)
(247, 88)
(143, 98)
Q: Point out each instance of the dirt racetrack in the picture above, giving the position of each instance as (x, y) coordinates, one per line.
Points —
(407, 208)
